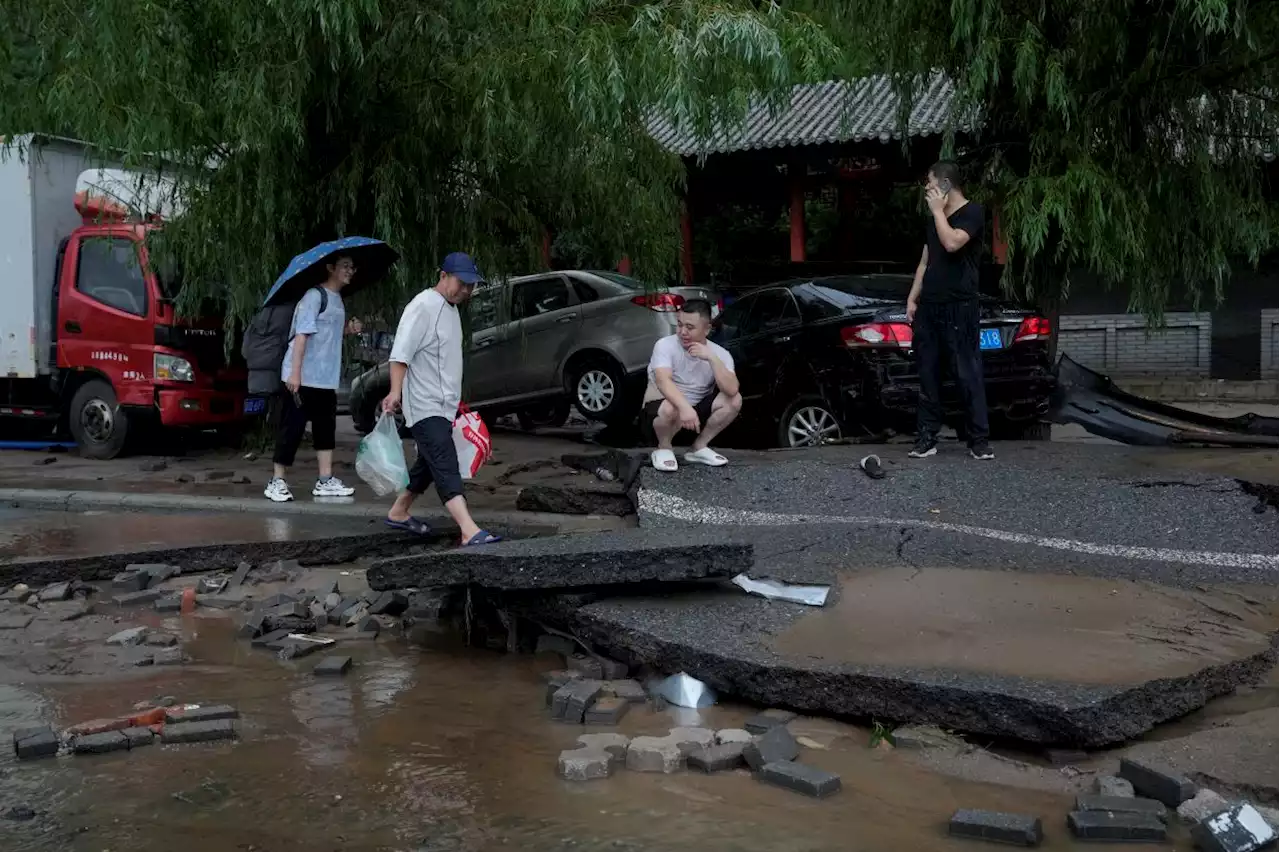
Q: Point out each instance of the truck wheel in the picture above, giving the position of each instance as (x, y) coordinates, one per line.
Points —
(98, 424)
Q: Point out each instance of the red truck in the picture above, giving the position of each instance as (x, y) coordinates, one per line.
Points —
(90, 342)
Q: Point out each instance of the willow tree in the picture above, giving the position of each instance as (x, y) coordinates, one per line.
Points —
(1135, 140)
(456, 124)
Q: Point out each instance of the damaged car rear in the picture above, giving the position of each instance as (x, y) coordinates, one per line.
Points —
(823, 359)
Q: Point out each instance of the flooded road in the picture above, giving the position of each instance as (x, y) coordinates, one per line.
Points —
(447, 748)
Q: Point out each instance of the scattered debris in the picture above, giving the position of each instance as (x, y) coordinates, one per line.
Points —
(654, 754)
(1108, 785)
(801, 778)
(19, 813)
(1122, 805)
(132, 636)
(685, 691)
(871, 466)
(783, 591)
(718, 758)
(996, 827)
(732, 735)
(198, 732)
(608, 710)
(574, 501)
(923, 737)
(1239, 829)
(773, 746)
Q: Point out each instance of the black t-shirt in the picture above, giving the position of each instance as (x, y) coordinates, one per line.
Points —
(953, 276)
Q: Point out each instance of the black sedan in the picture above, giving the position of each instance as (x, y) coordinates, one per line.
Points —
(825, 358)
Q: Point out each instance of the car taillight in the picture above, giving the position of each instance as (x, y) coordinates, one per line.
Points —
(664, 302)
(896, 334)
(1034, 328)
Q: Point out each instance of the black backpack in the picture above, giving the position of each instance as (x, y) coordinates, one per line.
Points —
(265, 342)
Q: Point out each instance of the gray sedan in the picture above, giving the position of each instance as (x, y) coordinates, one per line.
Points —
(540, 343)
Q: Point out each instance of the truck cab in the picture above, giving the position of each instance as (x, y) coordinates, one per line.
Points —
(109, 355)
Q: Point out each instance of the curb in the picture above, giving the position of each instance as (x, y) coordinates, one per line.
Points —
(79, 501)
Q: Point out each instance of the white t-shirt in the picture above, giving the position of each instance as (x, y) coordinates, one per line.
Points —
(693, 376)
(429, 342)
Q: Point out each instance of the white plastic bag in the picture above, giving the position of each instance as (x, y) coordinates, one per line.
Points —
(380, 458)
(472, 442)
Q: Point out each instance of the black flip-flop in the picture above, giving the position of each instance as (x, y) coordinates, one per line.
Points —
(417, 526)
(871, 467)
(482, 537)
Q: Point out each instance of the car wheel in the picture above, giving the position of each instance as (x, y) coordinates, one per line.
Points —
(549, 416)
(597, 389)
(808, 422)
(98, 424)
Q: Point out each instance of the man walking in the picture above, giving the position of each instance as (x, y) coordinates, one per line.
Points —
(311, 370)
(944, 312)
(426, 383)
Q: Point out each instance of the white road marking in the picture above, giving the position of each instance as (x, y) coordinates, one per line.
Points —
(678, 508)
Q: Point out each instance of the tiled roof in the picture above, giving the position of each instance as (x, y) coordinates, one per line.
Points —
(837, 111)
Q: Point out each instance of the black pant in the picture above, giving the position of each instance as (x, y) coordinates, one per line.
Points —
(437, 459)
(320, 407)
(951, 328)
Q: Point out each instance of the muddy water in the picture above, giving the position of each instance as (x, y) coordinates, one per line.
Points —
(443, 749)
(1074, 629)
(32, 534)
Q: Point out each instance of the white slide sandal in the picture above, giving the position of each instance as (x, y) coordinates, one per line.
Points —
(664, 460)
(706, 456)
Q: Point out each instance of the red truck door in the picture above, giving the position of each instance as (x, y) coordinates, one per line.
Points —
(105, 312)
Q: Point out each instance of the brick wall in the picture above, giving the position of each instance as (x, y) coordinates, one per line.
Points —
(1270, 344)
(1122, 345)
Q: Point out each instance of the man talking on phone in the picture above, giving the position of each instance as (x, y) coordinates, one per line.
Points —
(944, 313)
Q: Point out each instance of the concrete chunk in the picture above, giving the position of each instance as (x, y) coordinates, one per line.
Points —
(614, 744)
(139, 736)
(627, 690)
(1122, 805)
(654, 754)
(31, 743)
(606, 711)
(1156, 782)
(15, 621)
(732, 735)
(210, 713)
(996, 827)
(584, 764)
(718, 758)
(130, 581)
(773, 746)
(1241, 828)
(581, 694)
(242, 571)
(267, 639)
(169, 603)
(564, 562)
(107, 741)
(767, 721)
(1111, 785)
(198, 732)
(808, 780)
(1116, 827)
(585, 665)
(55, 592)
(253, 625)
(550, 643)
(139, 598)
(390, 602)
(332, 667)
(132, 636)
(689, 740)
(1201, 806)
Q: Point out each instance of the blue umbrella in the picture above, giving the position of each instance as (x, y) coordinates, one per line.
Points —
(372, 259)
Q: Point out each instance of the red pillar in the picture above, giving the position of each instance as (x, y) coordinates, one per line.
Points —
(686, 245)
(999, 247)
(546, 248)
(797, 220)
(624, 265)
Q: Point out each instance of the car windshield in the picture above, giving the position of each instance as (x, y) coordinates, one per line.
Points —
(165, 266)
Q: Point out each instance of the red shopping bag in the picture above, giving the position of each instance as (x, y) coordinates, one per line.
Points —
(471, 440)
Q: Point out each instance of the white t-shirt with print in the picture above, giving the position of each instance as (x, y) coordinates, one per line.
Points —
(693, 376)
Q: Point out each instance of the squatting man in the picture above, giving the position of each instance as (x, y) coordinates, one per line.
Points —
(692, 387)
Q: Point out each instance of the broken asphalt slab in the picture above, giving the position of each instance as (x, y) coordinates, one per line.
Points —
(732, 643)
(568, 562)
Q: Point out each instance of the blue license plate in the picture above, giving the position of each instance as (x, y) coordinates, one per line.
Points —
(990, 339)
(255, 405)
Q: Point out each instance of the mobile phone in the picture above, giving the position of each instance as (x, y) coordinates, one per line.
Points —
(944, 185)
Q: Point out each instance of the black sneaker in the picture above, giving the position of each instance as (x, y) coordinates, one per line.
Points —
(924, 448)
(981, 451)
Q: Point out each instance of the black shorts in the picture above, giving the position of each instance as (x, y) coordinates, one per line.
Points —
(703, 409)
(437, 459)
(319, 406)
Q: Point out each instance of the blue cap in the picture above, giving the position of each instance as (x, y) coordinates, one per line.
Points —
(459, 263)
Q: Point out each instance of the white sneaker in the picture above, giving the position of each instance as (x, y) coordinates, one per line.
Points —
(277, 491)
(332, 487)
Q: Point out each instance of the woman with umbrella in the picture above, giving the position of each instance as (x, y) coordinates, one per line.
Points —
(312, 366)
